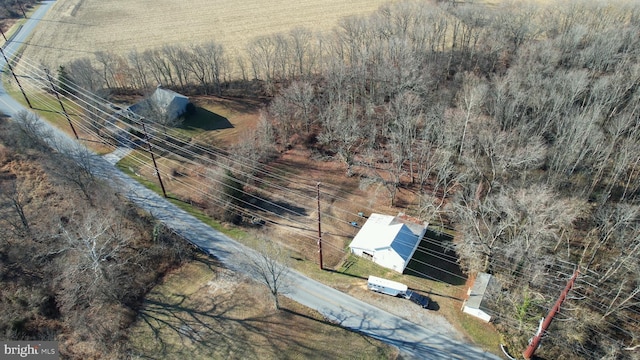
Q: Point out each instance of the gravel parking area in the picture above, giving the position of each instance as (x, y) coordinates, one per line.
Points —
(407, 310)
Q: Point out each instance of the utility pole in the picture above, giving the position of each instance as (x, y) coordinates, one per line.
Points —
(3, 35)
(53, 88)
(535, 342)
(21, 9)
(15, 77)
(319, 230)
(155, 165)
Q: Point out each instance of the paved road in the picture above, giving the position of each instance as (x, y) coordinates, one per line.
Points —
(7, 104)
(413, 340)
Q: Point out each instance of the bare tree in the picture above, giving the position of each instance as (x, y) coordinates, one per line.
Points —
(14, 197)
(304, 52)
(512, 226)
(94, 254)
(505, 155)
(284, 67)
(139, 76)
(405, 112)
(109, 62)
(470, 99)
(84, 75)
(442, 185)
(159, 67)
(208, 63)
(293, 106)
(341, 132)
(386, 168)
(269, 266)
(178, 58)
(74, 164)
(262, 56)
(255, 146)
(28, 132)
(226, 193)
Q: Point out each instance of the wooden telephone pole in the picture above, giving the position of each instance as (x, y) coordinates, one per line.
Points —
(319, 230)
(15, 77)
(53, 88)
(21, 9)
(535, 342)
(153, 157)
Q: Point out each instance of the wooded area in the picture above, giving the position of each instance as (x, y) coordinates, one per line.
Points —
(517, 123)
(76, 260)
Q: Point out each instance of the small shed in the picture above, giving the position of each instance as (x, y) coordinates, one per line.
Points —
(475, 304)
(389, 241)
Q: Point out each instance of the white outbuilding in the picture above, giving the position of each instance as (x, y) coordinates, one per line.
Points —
(389, 241)
(477, 295)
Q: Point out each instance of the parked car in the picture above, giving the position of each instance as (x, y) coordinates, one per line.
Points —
(421, 300)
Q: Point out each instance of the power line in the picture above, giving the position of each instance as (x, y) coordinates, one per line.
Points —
(198, 157)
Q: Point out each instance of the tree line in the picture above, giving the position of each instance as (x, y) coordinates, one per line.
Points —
(516, 123)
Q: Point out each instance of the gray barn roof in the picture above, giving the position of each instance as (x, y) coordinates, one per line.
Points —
(479, 290)
(170, 102)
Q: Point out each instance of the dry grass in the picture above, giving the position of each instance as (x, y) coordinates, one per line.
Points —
(204, 312)
(242, 115)
(78, 28)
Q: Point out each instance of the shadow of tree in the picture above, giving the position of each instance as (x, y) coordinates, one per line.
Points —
(279, 207)
(215, 331)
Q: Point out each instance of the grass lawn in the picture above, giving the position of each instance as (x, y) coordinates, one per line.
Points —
(203, 312)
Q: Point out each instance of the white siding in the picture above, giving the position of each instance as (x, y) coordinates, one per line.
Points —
(477, 313)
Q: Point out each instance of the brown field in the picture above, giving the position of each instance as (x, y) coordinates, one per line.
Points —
(78, 28)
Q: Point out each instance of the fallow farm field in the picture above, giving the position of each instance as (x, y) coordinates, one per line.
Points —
(78, 28)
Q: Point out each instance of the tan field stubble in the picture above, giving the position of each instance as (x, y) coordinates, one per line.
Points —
(78, 28)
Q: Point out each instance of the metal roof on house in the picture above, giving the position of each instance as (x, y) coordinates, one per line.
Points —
(386, 231)
(164, 97)
(171, 103)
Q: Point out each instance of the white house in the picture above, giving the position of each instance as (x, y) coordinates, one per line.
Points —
(389, 241)
(477, 295)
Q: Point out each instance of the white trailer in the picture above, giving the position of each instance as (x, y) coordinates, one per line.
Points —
(385, 286)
